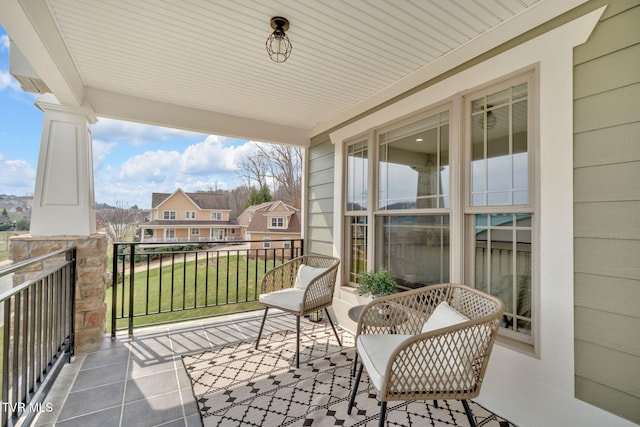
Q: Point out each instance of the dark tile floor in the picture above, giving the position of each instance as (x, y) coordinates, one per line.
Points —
(141, 381)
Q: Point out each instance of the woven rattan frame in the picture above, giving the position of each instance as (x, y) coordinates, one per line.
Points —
(448, 363)
(319, 293)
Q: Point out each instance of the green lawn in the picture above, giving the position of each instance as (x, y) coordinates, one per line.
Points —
(194, 290)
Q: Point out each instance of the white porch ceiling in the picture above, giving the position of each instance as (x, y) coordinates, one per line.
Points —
(208, 57)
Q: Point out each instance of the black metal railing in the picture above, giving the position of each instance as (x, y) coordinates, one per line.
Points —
(166, 282)
(37, 333)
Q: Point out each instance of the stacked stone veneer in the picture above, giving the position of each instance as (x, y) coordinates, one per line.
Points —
(91, 279)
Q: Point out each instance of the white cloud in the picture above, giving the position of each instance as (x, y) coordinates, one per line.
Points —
(101, 150)
(7, 81)
(4, 43)
(17, 177)
(136, 133)
(150, 166)
(211, 156)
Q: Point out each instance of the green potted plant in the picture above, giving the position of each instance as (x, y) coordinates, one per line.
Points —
(376, 283)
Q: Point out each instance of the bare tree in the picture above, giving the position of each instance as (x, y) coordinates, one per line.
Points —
(253, 169)
(118, 221)
(279, 166)
(237, 200)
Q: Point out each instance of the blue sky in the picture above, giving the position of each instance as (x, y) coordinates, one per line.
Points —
(131, 160)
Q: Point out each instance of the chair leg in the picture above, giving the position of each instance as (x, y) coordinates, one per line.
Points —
(472, 421)
(297, 342)
(355, 365)
(383, 413)
(266, 309)
(332, 326)
(355, 389)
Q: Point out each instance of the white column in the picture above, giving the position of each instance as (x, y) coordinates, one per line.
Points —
(64, 196)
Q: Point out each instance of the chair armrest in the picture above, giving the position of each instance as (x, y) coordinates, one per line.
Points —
(319, 292)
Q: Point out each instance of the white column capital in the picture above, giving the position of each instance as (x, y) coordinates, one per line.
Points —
(48, 102)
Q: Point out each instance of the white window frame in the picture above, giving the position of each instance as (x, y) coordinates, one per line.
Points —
(530, 75)
(266, 242)
(372, 210)
(169, 215)
(190, 214)
(195, 232)
(286, 244)
(274, 220)
(216, 216)
(170, 234)
(459, 208)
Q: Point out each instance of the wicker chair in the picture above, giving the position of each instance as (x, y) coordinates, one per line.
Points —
(415, 348)
(300, 286)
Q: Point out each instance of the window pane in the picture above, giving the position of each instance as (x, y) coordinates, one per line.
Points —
(499, 148)
(503, 265)
(358, 247)
(414, 248)
(413, 168)
(520, 155)
(357, 172)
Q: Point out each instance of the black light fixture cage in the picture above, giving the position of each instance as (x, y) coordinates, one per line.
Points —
(279, 46)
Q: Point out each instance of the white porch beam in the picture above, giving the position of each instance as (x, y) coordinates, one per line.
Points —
(125, 107)
(45, 49)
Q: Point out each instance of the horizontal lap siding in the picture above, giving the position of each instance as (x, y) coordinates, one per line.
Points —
(319, 236)
(607, 212)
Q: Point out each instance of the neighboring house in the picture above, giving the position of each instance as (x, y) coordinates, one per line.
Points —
(182, 217)
(267, 224)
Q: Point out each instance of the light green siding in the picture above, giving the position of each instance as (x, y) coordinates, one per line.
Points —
(320, 166)
(607, 212)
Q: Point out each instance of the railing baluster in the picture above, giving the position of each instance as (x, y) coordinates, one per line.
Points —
(147, 287)
(132, 274)
(206, 282)
(195, 281)
(5, 359)
(173, 269)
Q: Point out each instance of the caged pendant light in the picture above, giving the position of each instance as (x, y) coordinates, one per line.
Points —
(278, 45)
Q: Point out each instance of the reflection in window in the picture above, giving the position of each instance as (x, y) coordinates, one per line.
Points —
(413, 167)
(357, 229)
(503, 265)
(414, 248)
(499, 151)
(357, 175)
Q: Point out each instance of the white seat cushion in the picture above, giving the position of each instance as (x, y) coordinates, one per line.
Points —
(442, 317)
(375, 351)
(289, 299)
(306, 274)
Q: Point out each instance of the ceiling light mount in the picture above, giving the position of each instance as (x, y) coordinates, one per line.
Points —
(278, 45)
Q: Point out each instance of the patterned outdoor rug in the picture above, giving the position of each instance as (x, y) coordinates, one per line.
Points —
(238, 385)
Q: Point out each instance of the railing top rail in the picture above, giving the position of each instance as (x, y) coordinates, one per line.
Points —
(22, 264)
(17, 266)
(199, 242)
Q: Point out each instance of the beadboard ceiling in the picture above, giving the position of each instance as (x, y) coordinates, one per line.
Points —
(210, 55)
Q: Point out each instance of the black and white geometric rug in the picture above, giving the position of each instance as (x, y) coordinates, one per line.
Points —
(237, 385)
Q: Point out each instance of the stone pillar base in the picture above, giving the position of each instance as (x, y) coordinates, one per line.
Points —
(91, 271)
